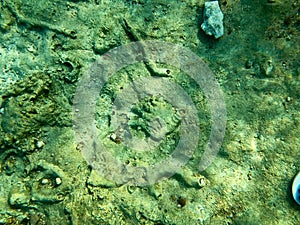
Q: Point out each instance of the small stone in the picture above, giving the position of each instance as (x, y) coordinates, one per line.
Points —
(296, 188)
(40, 144)
(213, 19)
(44, 181)
(181, 202)
(113, 136)
(201, 182)
(58, 181)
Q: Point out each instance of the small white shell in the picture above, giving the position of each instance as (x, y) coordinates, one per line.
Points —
(296, 188)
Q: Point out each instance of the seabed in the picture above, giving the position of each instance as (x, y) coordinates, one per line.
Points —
(47, 47)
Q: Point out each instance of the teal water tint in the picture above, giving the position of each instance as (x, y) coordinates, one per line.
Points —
(47, 46)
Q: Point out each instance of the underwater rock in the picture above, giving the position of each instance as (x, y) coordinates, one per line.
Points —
(296, 188)
(213, 19)
(19, 196)
(50, 184)
(13, 162)
(95, 180)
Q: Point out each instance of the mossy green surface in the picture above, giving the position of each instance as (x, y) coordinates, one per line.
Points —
(45, 48)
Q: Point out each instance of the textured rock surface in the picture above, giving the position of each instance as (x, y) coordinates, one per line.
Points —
(45, 48)
(213, 19)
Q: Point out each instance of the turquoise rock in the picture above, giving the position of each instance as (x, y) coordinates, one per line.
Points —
(213, 20)
(296, 188)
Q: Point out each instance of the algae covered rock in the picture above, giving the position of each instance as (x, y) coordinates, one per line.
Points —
(19, 196)
(47, 46)
(49, 183)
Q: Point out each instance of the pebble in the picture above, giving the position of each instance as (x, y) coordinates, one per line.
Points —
(296, 188)
(201, 182)
(45, 181)
(40, 144)
(58, 180)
